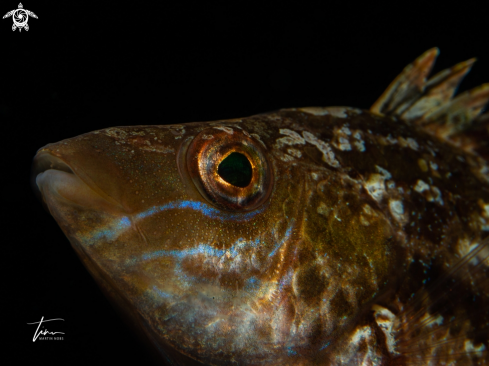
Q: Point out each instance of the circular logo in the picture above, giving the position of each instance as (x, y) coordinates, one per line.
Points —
(20, 17)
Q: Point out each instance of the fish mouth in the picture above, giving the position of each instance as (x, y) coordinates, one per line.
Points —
(54, 180)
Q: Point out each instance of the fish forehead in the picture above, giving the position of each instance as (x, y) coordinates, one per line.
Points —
(348, 185)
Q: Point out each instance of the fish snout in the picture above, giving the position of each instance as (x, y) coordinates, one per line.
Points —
(54, 180)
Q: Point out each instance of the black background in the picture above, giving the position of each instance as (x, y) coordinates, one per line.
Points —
(84, 66)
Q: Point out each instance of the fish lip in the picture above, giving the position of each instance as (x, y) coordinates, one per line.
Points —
(44, 161)
(41, 162)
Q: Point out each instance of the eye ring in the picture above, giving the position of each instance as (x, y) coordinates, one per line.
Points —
(209, 149)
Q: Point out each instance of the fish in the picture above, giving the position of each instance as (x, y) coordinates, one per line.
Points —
(303, 236)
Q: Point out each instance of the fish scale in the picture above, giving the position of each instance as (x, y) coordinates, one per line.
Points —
(358, 238)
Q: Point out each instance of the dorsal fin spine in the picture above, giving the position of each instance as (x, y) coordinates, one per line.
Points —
(430, 104)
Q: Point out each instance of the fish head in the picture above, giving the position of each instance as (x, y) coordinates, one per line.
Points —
(223, 241)
(308, 236)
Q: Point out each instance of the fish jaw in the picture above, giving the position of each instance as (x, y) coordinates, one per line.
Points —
(72, 202)
(93, 221)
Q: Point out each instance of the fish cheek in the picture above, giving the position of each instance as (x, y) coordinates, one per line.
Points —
(199, 267)
(311, 284)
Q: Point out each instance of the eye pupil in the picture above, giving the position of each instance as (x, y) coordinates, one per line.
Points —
(236, 170)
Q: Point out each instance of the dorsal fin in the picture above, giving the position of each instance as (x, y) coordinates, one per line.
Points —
(429, 103)
(475, 138)
(447, 322)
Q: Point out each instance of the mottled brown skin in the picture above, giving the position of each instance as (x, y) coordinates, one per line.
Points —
(292, 281)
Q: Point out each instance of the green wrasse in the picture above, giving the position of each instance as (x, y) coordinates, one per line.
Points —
(306, 236)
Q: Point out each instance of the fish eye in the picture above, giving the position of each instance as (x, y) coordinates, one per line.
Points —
(230, 169)
(236, 170)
